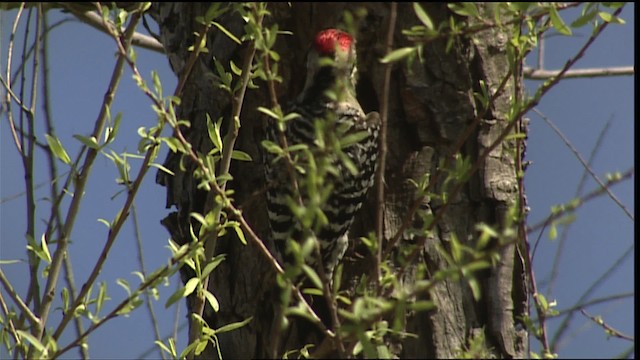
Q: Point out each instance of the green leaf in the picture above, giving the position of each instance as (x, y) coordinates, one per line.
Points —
(542, 300)
(227, 32)
(240, 234)
(131, 305)
(37, 249)
(233, 326)
(111, 132)
(240, 156)
(212, 265)
(584, 19)
(45, 248)
(422, 16)
(423, 305)
(353, 138)
(234, 68)
(157, 84)
(190, 286)
(102, 296)
(383, 352)
(124, 284)
(164, 347)
(486, 233)
(268, 112)
(312, 291)
(398, 54)
(464, 9)
(162, 168)
(199, 217)
(33, 341)
(610, 18)
(90, 142)
(557, 22)
(107, 224)
(212, 300)
(9, 262)
(57, 149)
(271, 147)
(553, 231)
(313, 276)
(475, 288)
(214, 133)
(64, 294)
(177, 295)
(213, 12)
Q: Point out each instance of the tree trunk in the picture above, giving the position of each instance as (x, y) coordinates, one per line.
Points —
(431, 105)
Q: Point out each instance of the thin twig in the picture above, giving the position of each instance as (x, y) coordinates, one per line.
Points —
(28, 159)
(7, 82)
(143, 270)
(565, 230)
(210, 238)
(564, 325)
(583, 162)
(9, 320)
(540, 64)
(382, 144)
(611, 331)
(508, 129)
(147, 283)
(469, 130)
(237, 215)
(542, 74)
(95, 20)
(81, 181)
(296, 194)
(574, 204)
(17, 300)
(597, 301)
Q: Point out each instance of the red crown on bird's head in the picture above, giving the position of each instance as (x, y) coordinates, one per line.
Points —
(328, 40)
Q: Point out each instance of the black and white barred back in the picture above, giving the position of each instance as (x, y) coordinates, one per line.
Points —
(313, 105)
(349, 190)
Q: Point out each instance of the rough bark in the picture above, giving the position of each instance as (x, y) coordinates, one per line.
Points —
(430, 106)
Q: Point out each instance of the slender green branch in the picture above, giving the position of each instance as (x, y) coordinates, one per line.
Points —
(579, 189)
(237, 214)
(580, 305)
(508, 129)
(143, 270)
(7, 82)
(584, 163)
(17, 300)
(564, 325)
(211, 238)
(382, 144)
(580, 201)
(80, 184)
(124, 212)
(8, 319)
(542, 74)
(469, 130)
(29, 161)
(613, 332)
(95, 20)
(175, 261)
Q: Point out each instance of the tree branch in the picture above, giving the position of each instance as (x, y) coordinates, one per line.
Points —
(16, 299)
(613, 332)
(583, 162)
(95, 20)
(382, 152)
(542, 74)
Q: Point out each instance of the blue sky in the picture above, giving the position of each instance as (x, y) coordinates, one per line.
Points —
(82, 60)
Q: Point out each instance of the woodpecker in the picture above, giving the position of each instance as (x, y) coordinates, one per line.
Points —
(327, 108)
